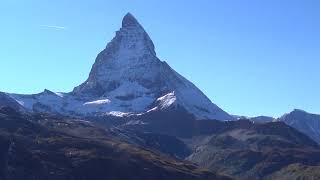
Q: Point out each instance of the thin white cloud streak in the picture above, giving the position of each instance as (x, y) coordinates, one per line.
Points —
(54, 27)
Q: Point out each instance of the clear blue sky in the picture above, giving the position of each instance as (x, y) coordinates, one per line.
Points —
(249, 57)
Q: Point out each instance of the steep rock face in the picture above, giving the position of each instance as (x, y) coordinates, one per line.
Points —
(7, 101)
(127, 78)
(129, 57)
(304, 122)
(128, 69)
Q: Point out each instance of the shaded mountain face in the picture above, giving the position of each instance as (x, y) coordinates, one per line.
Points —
(57, 148)
(303, 121)
(248, 150)
(127, 78)
(241, 149)
(7, 101)
(296, 171)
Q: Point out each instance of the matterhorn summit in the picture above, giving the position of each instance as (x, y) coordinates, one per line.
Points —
(127, 79)
(127, 58)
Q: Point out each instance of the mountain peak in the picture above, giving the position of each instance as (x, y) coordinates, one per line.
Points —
(128, 57)
(298, 111)
(133, 37)
(129, 20)
(128, 78)
(304, 121)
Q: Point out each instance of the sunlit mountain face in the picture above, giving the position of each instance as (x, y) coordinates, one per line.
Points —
(127, 79)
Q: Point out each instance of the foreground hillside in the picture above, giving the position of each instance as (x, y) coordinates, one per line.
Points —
(256, 151)
(160, 145)
(241, 149)
(39, 147)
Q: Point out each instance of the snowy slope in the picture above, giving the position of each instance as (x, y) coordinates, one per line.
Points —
(127, 78)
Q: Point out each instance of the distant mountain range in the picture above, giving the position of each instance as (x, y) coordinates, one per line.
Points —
(137, 118)
(303, 121)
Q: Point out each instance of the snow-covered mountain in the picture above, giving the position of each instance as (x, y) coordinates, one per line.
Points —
(304, 122)
(127, 78)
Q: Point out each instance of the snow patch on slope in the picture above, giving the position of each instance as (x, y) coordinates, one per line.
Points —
(98, 102)
(118, 114)
(167, 100)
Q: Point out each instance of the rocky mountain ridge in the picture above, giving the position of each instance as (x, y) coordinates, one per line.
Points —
(126, 79)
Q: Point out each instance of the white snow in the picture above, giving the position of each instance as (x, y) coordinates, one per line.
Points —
(167, 100)
(118, 113)
(98, 102)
